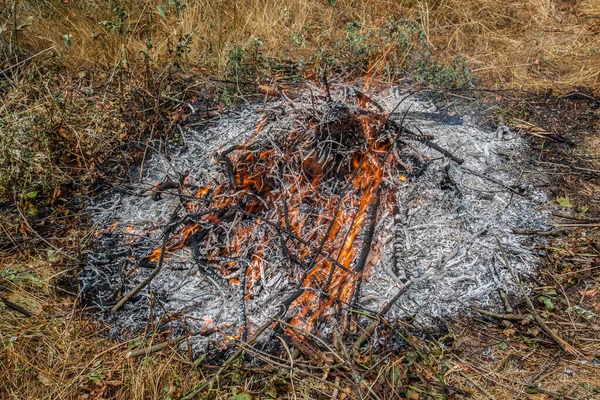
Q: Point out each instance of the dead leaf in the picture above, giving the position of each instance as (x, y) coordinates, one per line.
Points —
(271, 91)
(44, 379)
(509, 332)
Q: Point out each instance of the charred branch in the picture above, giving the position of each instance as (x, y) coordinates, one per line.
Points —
(367, 244)
(156, 270)
(162, 187)
(12, 306)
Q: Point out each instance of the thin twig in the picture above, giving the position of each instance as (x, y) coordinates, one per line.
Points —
(538, 233)
(515, 317)
(557, 339)
(384, 310)
(70, 257)
(156, 270)
(15, 307)
(29, 58)
(575, 217)
(575, 225)
(158, 347)
(493, 180)
(357, 378)
(230, 360)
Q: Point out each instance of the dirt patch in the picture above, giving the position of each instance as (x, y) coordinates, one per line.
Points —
(563, 134)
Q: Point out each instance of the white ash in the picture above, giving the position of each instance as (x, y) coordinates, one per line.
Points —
(451, 219)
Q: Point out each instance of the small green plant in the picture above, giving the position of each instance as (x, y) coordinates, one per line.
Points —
(397, 49)
(429, 71)
(172, 6)
(298, 39)
(67, 40)
(119, 24)
(245, 65)
(564, 202)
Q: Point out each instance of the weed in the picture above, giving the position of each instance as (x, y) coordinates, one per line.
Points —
(430, 72)
(244, 67)
(118, 24)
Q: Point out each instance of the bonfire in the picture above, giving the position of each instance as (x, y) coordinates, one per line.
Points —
(282, 230)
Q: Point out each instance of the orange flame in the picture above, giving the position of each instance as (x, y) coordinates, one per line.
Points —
(333, 223)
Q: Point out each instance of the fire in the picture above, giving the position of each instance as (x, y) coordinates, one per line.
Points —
(310, 198)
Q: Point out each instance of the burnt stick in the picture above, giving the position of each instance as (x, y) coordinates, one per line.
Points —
(489, 178)
(285, 305)
(366, 247)
(364, 253)
(230, 170)
(539, 233)
(399, 242)
(384, 310)
(165, 185)
(292, 234)
(427, 142)
(15, 307)
(361, 96)
(286, 214)
(445, 152)
(156, 270)
(203, 266)
(286, 251)
(425, 139)
(244, 321)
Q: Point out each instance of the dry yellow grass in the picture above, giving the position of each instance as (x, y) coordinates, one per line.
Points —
(531, 44)
(58, 354)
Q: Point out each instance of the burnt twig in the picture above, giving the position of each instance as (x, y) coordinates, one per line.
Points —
(575, 217)
(165, 185)
(504, 297)
(145, 351)
(156, 270)
(493, 180)
(557, 339)
(230, 169)
(445, 152)
(204, 268)
(244, 317)
(15, 307)
(384, 310)
(399, 242)
(509, 316)
(538, 233)
(367, 242)
(366, 99)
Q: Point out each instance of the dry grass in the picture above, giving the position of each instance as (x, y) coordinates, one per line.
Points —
(532, 44)
(58, 353)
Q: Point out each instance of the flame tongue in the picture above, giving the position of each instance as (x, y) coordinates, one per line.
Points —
(302, 198)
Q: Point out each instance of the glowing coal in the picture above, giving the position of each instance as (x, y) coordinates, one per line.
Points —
(311, 208)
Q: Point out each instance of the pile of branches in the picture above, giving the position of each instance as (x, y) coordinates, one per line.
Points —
(293, 214)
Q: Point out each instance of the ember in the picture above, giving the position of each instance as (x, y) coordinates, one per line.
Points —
(290, 223)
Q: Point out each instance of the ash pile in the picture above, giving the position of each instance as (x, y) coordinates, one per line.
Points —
(292, 218)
